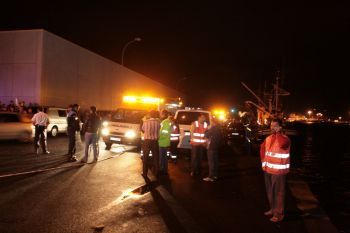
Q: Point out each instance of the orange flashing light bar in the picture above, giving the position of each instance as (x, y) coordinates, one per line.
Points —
(142, 100)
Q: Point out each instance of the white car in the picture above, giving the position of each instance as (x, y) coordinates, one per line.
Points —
(13, 127)
(58, 120)
(184, 118)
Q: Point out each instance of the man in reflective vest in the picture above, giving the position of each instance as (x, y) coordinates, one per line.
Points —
(198, 143)
(164, 142)
(275, 159)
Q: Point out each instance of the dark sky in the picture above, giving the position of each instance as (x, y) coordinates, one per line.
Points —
(216, 46)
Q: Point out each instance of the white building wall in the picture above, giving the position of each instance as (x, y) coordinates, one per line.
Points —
(38, 66)
(20, 65)
(72, 74)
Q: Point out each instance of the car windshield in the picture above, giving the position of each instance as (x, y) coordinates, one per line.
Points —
(187, 118)
(128, 116)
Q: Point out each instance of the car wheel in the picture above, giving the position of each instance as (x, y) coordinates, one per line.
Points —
(54, 131)
(108, 145)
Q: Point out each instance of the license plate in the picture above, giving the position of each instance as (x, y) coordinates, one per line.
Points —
(116, 139)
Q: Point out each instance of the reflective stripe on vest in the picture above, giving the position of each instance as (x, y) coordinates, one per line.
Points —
(277, 155)
(275, 166)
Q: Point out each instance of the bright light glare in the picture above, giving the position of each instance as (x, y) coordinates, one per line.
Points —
(142, 100)
(105, 124)
(130, 134)
(105, 132)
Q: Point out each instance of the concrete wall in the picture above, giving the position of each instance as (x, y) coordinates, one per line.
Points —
(38, 66)
(72, 74)
(20, 65)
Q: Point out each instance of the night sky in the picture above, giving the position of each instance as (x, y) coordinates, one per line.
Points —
(215, 46)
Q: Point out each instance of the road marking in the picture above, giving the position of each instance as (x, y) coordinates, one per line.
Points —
(40, 170)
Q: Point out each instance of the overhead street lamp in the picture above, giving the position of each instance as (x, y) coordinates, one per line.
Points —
(136, 39)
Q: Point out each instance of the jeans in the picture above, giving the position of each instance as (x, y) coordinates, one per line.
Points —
(275, 190)
(196, 158)
(40, 134)
(163, 160)
(71, 138)
(147, 146)
(213, 163)
(90, 138)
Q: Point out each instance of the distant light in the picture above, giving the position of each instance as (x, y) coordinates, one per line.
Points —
(309, 112)
(233, 110)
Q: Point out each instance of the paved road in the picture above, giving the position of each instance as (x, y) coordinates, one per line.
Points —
(97, 197)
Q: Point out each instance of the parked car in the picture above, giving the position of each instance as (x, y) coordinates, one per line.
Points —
(58, 120)
(13, 127)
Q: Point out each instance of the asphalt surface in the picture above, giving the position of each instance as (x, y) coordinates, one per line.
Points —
(112, 196)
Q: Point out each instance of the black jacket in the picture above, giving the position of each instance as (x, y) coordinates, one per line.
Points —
(92, 124)
(214, 136)
(73, 121)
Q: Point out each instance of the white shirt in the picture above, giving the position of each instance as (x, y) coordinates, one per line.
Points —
(41, 119)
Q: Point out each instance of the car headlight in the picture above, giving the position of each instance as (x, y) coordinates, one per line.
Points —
(130, 134)
(105, 124)
(105, 131)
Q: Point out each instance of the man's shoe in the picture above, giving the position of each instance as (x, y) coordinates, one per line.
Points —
(73, 159)
(268, 213)
(46, 152)
(208, 179)
(277, 218)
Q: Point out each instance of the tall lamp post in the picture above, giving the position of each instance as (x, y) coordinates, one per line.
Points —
(136, 39)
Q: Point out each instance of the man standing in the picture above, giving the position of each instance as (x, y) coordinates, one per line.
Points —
(40, 120)
(274, 153)
(91, 128)
(150, 130)
(214, 136)
(73, 126)
(198, 143)
(164, 141)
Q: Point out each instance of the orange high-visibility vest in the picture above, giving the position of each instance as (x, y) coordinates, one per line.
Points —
(197, 137)
(275, 158)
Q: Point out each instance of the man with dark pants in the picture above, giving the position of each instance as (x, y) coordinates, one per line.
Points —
(91, 128)
(214, 137)
(73, 127)
(274, 153)
(150, 129)
(198, 143)
(40, 120)
(164, 142)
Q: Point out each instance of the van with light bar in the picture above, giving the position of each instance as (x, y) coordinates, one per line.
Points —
(124, 127)
(184, 118)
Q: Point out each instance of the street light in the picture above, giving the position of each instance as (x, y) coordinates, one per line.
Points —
(309, 112)
(136, 39)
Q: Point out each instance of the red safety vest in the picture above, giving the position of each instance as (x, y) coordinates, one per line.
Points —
(175, 133)
(275, 154)
(197, 137)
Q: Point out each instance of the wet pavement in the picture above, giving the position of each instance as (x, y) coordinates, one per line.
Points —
(111, 195)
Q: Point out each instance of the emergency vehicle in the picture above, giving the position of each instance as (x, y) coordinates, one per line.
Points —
(124, 125)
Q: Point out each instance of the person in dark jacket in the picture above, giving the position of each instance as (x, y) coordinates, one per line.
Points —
(73, 126)
(214, 136)
(91, 128)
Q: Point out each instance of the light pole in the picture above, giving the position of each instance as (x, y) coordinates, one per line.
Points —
(136, 39)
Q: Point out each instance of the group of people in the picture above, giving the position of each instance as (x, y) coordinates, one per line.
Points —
(90, 131)
(157, 131)
(157, 140)
(18, 106)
